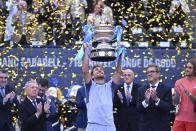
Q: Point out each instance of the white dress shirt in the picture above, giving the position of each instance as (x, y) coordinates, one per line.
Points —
(145, 105)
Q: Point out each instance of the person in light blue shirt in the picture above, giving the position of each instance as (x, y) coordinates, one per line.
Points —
(99, 95)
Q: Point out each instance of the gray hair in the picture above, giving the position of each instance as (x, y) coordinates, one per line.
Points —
(28, 82)
(156, 66)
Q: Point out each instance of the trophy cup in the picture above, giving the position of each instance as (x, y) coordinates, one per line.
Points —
(104, 34)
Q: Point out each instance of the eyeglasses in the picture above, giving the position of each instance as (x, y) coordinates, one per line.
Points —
(127, 75)
(149, 72)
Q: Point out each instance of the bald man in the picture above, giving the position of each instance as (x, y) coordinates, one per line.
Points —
(125, 102)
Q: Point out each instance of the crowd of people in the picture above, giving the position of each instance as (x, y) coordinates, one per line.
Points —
(61, 22)
(103, 106)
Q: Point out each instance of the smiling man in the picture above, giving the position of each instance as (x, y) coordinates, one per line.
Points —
(186, 117)
(99, 95)
(154, 103)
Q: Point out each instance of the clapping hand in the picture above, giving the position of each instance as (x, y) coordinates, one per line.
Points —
(47, 106)
(12, 95)
(39, 109)
(154, 95)
(147, 96)
(119, 95)
(129, 94)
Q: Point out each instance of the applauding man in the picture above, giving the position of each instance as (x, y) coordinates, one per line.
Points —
(33, 112)
(154, 102)
(7, 101)
(99, 95)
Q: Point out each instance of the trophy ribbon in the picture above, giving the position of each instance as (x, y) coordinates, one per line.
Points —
(87, 38)
(121, 48)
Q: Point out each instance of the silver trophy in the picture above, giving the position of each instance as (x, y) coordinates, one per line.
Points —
(103, 34)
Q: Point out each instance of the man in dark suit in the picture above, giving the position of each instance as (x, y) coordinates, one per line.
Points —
(44, 95)
(33, 112)
(125, 102)
(7, 101)
(154, 103)
(81, 119)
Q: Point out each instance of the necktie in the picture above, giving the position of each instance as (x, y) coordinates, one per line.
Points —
(2, 92)
(152, 87)
(35, 104)
(127, 97)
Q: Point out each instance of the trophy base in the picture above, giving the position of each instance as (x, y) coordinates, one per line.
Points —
(103, 54)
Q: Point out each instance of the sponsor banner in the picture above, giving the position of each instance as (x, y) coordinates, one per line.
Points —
(24, 64)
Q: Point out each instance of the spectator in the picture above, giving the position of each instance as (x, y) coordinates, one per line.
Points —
(99, 17)
(154, 103)
(178, 12)
(33, 112)
(22, 23)
(63, 24)
(157, 20)
(99, 95)
(78, 9)
(125, 101)
(13, 8)
(7, 101)
(107, 11)
(79, 18)
(81, 119)
(44, 95)
(3, 16)
(185, 87)
(38, 30)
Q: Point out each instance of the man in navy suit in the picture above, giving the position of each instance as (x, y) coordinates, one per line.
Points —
(42, 92)
(154, 103)
(127, 117)
(7, 101)
(81, 119)
(34, 112)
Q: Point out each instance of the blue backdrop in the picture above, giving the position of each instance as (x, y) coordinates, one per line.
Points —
(24, 64)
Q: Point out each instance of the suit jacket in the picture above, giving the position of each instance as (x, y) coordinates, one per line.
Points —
(81, 119)
(127, 114)
(53, 111)
(155, 118)
(5, 109)
(30, 122)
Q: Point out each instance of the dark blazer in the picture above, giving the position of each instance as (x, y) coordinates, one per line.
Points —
(81, 119)
(127, 115)
(155, 118)
(5, 109)
(53, 111)
(26, 112)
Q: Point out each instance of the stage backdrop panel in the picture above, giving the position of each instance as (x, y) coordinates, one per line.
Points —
(24, 64)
